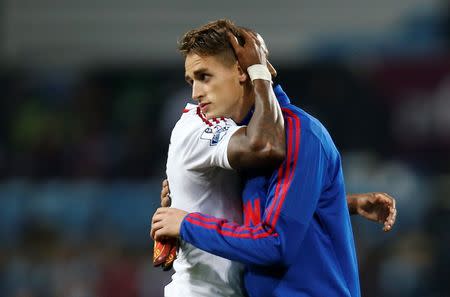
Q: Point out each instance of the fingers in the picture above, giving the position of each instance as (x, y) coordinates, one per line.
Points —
(166, 201)
(251, 52)
(389, 201)
(251, 33)
(380, 197)
(159, 214)
(156, 221)
(382, 200)
(164, 190)
(272, 70)
(390, 220)
(155, 227)
(160, 232)
(234, 42)
(165, 194)
(246, 35)
(158, 236)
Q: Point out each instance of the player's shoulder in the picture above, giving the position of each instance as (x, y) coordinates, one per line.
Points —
(301, 118)
(308, 126)
(189, 110)
(186, 122)
(190, 117)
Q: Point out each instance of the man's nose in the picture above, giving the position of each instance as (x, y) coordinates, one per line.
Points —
(197, 91)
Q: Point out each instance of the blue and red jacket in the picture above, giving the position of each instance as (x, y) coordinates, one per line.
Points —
(297, 238)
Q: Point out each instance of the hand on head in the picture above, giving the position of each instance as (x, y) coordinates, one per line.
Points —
(253, 51)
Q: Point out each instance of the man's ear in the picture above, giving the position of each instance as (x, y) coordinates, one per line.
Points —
(242, 74)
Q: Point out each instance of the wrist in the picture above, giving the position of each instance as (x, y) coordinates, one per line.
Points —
(259, 71)
(182, 229)
(352, 202)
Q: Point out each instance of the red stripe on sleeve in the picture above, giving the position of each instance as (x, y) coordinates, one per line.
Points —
(292, 170)
(282, 174)
(287, 173)
(237, 230)
(277, 191)
(229, 233)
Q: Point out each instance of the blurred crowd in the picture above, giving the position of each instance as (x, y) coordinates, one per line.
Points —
(75, 125)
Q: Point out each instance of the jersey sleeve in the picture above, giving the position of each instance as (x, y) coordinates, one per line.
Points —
(207, 144)
(291, 201)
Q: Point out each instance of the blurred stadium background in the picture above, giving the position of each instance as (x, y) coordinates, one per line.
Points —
(89, 91)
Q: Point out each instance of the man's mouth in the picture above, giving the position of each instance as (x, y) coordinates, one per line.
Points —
(204, 107)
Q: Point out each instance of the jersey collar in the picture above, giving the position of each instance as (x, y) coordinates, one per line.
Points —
(283, 99)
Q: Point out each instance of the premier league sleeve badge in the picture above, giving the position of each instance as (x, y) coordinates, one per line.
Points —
(214, 134)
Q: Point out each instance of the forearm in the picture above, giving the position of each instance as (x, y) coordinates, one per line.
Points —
(248, 245)
(266, 128)
(262, 142)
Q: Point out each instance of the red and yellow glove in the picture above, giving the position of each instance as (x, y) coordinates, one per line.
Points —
(165, 253)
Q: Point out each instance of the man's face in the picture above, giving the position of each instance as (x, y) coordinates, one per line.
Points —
(216, 86)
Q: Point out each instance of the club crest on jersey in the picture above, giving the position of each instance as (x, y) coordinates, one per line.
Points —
(214, 134)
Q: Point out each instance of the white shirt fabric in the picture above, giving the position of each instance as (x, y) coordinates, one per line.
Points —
(200, 180)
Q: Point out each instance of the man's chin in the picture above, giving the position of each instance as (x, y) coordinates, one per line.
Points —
(211, 116)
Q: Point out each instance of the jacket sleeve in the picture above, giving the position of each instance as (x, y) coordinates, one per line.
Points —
(292, 198)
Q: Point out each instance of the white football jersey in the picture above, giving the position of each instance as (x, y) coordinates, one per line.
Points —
(201, 180)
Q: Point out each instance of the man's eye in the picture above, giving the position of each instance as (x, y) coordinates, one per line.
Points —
(204, 77)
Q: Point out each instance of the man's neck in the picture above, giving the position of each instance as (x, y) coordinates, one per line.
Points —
(245, 106)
